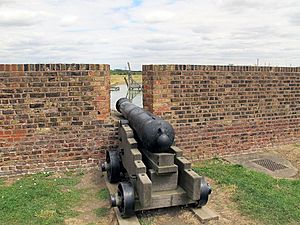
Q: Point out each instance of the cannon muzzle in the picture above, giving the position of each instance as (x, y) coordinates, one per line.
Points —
(154, 133)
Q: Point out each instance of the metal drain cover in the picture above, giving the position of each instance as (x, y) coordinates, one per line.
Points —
(269, 164)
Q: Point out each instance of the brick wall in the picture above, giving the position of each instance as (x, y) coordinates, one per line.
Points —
(54, 117)
(57, 116)
(218, 110)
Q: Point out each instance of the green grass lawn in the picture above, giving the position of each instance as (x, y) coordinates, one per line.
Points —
(38, 199)
(263, 198)
(49, 198)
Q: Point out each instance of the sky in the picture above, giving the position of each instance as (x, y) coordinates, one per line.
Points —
(150, 32)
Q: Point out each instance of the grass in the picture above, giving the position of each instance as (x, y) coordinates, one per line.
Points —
(38, 199)
(123, 72)
(102, 212)
(103, 194)
(146, 220)
(116, 79)
(265, 199)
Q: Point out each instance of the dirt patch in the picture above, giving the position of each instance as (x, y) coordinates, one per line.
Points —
(90, 185)
(174, 216)
(10, 181)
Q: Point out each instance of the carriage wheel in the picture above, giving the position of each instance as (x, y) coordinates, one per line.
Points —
(113, 166)
(205, 191)
(126, 199)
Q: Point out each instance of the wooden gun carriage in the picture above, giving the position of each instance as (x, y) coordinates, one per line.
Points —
(150, 172)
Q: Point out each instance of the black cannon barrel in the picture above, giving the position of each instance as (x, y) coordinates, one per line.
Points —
(155, 134)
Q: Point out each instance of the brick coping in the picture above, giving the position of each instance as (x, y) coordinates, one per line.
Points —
(53, 67)
(188, 67)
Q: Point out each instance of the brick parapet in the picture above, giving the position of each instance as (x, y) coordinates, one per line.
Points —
(223, 110)
(182, 67)
(53, 67)
(54, 118)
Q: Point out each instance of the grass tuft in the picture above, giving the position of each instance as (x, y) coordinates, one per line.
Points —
(102, 212)
(74, 173)
(103, 194)
(146, 220)
(262, 197)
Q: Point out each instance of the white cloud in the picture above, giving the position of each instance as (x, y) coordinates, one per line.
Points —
(295, 19)
(6, 2)
(158, 16)
(20, 17)
(69, 20)
(155, 31)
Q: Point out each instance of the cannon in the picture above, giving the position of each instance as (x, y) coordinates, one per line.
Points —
(148, 170)
(154, 133)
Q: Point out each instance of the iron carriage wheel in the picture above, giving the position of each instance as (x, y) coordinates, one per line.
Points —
(114, 166)
(205, 191)
(126, 196)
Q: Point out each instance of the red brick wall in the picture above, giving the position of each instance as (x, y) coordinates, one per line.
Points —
(218, 110)
(54, 117)
(57, 116)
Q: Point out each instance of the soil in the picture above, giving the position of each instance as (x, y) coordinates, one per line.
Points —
(90, 184)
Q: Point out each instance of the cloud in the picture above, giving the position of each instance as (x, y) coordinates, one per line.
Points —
(150, 31)
(20, 17)
(295, 19)
(158, 16)
(202, 28)
(68, 20)
(237, 5)
(255, 33)
(157, 39)
(6, 2)
(240, 6)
